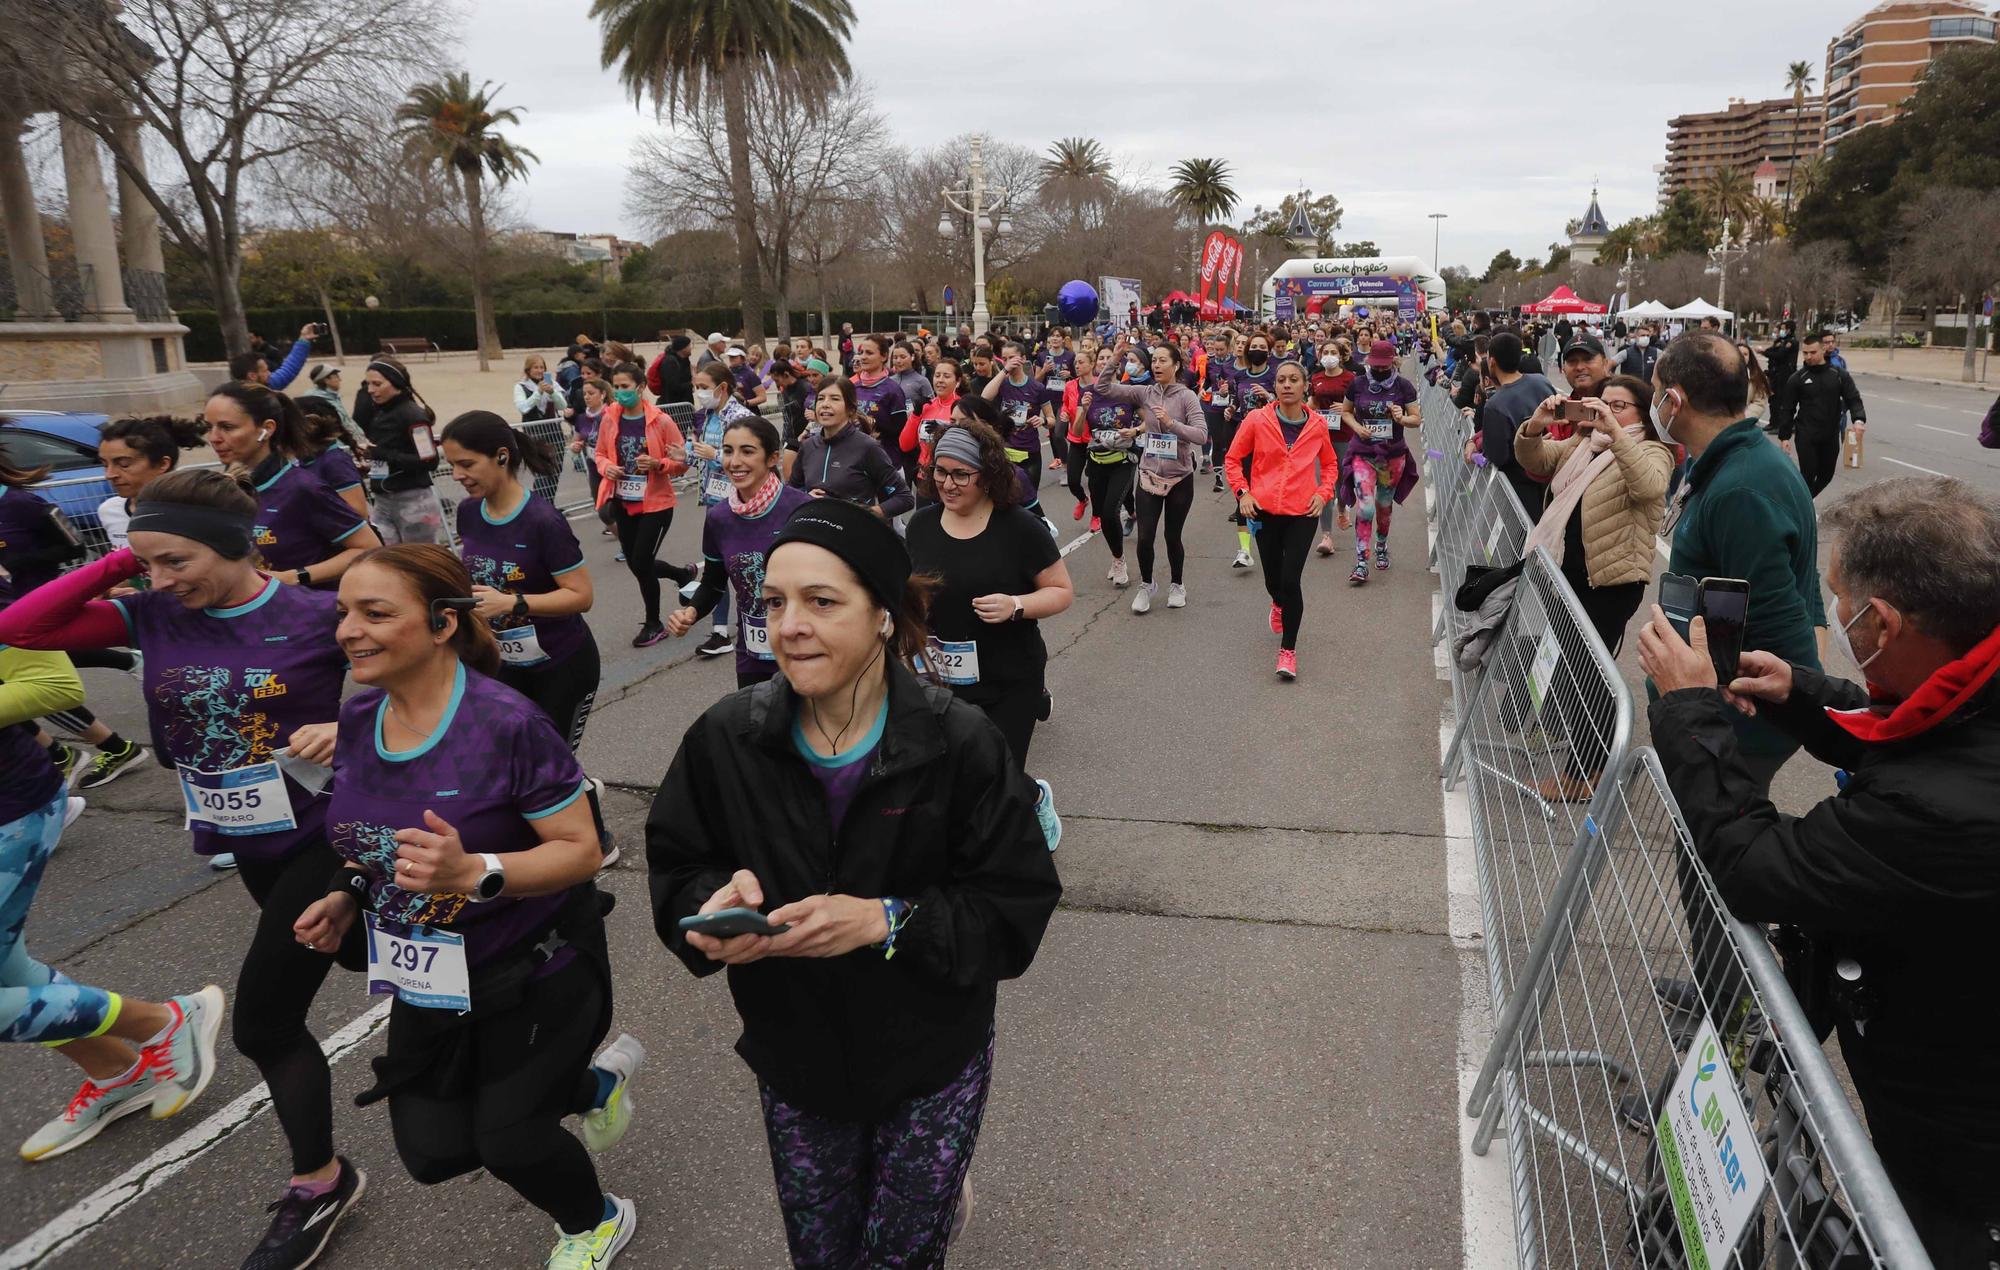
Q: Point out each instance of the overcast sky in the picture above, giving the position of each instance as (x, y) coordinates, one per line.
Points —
(1515, 105)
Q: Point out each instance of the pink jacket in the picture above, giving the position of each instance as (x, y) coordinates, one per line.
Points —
(661, 435)
(1283, 478)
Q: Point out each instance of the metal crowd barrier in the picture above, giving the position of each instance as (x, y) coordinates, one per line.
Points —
(1650, 1066)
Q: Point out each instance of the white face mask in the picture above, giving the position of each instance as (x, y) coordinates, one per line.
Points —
(704, 399)
(1661, 424)
(1841, 641)
(1642, 340)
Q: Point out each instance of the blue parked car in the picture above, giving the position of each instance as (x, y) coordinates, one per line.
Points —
(67, 445)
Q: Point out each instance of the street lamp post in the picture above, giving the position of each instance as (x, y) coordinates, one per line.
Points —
(1721, 254)
(1436, 230)
(977, 202)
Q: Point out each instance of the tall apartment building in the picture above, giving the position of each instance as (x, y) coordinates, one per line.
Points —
(1877, 62)
(1741, 137)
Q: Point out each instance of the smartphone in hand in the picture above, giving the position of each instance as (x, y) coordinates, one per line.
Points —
(1679, 595)
(1575, 411)
(727, 922)
(1724, 605)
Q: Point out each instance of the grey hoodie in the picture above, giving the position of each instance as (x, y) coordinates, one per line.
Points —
(1185, 421)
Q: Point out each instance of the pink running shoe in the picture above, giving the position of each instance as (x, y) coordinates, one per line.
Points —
(1288, 664)
(1277, 620)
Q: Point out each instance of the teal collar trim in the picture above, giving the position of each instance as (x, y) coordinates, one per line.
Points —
(258, 601)
(382, 751)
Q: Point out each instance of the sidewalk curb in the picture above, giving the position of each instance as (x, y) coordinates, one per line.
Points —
(1988, 386)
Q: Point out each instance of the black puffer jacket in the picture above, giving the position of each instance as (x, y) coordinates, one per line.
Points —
(388, 428)
(1814, 398)
(1898, 876)
(944, 818)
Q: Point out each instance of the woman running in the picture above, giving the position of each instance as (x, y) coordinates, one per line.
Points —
(402, 454)
(839, 460)
(735, 537)
(305, 533)
(323, 453)
(921, 431)
(596, 395)
(1251, 386)
(1380, 470)
(1115, 424)
(135, 452)
(135, 1055)
(1218, 394)
(466, 847)
(1329, 385)
(873, 1070)
(1076, 408)
(918, 392)
(237, 668)
(716, 410)
(880, 407)
(1291, 475)
(1028, 406)
(639, 453)
(1175, 431)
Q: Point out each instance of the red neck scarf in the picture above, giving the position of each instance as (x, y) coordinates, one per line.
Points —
(1949, 687)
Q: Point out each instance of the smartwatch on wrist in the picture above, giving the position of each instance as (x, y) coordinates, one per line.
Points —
(303, 577)
(1020, 609)
(491, 882)
(520, 606)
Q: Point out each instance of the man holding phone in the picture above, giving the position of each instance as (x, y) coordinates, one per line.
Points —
(1742, 513)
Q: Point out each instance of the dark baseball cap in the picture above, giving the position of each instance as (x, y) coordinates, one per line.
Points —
(1587, 342)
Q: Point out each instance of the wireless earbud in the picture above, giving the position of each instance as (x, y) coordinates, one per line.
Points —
(263, 434)
(461, 604)
(888, 626)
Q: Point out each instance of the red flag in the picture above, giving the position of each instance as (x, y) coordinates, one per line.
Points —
(1236, 283)
(1211, 255)
(1231, 252)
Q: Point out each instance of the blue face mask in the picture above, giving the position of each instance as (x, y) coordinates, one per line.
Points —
(1137, 374)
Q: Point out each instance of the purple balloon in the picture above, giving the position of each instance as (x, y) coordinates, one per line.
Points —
(1077, 302)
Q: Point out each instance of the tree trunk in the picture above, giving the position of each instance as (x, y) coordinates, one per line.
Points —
(484, 333)
(741, 194)
(332, 327)
(229, 313)
(825, 314)
(1970, 366)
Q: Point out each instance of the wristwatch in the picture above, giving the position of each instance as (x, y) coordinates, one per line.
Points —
(1020, 609)
(520, 606)
(303, 577)
(491, 882)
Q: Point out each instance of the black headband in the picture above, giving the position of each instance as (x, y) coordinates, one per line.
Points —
(868, 544)
(229, 533)
(396, 375)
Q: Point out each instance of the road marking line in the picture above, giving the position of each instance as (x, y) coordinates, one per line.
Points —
(1077, 542)
(1912, 466)
(1660, 545)
(1950, 432)
(95, 1210)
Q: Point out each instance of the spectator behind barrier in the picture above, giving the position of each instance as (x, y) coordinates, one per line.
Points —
(1895, 880)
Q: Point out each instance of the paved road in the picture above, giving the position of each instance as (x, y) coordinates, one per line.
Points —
(1918, 427)
(1241, 1033)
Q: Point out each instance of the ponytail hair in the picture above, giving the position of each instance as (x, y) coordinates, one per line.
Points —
(484, 432)
(288, 436)
(434, 573)
(161, 438)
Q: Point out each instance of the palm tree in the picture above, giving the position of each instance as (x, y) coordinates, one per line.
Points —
(1726, 195)
(449, 125)
(1799, 79)
(677, 51)
(1201, 188)
(1767, 218)
(1807, 176)
(1076, 175)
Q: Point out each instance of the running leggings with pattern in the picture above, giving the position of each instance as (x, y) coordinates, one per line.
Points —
(639, 536)
(1109, 484)
(275, 990)
(530, 1068)
(880, 1194)
(1175, 504)
(1283, 543)
(37, 1003)
(1374, 497)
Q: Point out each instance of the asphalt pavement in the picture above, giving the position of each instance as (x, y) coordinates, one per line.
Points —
(1240, 1040)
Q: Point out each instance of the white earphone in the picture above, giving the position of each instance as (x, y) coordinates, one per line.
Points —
(888, 626)
(263, 434)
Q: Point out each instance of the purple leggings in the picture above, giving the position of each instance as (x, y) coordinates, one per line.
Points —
(881, 1194)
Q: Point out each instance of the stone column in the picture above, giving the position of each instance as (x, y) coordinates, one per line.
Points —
(90, 224)
(139, 223)
(26, 252)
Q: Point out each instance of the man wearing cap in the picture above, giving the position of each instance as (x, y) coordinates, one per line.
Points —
(326, 387)
(1585, 364)
(717, 344)
(749, 385)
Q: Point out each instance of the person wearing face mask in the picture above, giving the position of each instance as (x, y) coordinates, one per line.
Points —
(1380, 470)
(1640, 356)
(1251, 386)
(717, 407)
(1892, 882)
(639, 453)
(1742, 511)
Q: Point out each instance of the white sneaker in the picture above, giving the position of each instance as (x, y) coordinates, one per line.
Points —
(604, 1126)
(1242, 560)
(1176, 596)
(962, 1216)
(222, 861)
(71, 810)
(1142, 600)
(1119, 577)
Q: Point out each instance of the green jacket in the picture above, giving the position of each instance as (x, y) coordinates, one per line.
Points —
(1749, 516)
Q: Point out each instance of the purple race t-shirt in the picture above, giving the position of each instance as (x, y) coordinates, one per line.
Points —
(1371, 411)
(27, 524)
(299, 520)
(881, 408)
(740, 544)
(840, 776)
(1021, 406)
(334, 466)
(493, 767)
(1065, 364)
(631, 444)
(226, 687)
(523, 555)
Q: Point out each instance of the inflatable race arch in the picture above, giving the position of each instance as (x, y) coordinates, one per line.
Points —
(1318, 284)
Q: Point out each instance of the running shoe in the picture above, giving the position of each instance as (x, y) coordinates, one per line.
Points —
(181, 1062)
(64, 757)
(649, 634)
(619, 557)
(72, 809)
(595, 1249)
(1125, 522)
(961, 1216)
(1242, 560)
(1118, 575)
(1081, 508)
(222, 861)
(604, 1126)
(1288, 664)
(1277, 620)
(1142, 601)
(1046, 708)
(91, 1108)
(304, 1222)
(1096, 523)
(1325, 546)
(609, 532)
(1382, 556)
(1045, 812)
(1360, 574)
(1176, 596)
(1218, 481)
(109, 765)
(1056, 465)
(718, 642)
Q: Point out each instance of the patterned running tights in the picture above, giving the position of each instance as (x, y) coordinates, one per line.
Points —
(37, 1003)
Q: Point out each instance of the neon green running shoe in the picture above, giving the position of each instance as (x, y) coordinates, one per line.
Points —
(604, 1126)
(595, 1249)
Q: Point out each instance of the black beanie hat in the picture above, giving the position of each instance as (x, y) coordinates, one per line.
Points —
(867, 543)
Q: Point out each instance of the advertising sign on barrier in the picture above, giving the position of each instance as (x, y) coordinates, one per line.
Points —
(1715, 1169)
(1541, 671)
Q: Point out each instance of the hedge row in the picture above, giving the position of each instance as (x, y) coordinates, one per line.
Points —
(1954, 337)
(362, 330)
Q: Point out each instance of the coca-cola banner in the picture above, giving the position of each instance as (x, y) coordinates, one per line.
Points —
(1211, 257)
(1232, 251)
(1236, 282)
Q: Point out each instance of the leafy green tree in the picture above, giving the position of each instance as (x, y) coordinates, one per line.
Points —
(679, 51)
(1323, 210)
(1503, 262)
(1684, 227)
(449, 125)
(308, 266)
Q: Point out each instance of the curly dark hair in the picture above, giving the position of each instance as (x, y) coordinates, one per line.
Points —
(998, 476)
